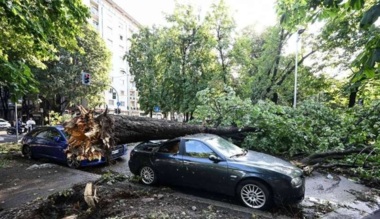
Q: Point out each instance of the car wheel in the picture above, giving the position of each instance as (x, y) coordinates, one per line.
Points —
(27, 152)
(148, 175)
(73, 162)
(254, 194)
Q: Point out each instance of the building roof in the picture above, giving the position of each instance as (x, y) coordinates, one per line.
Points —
(123, 12)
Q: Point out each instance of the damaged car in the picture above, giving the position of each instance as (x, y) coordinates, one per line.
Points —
(52, 141)
(214, 164)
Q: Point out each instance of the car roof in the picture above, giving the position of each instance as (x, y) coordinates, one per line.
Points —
(59, 127)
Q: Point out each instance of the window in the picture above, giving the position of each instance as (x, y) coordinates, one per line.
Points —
(170, 147)
(121, 37)
(122, 103)
(109, 42)
(48, 134)
(197, 149)
(122, 93)
(110, 102)
(95, 24)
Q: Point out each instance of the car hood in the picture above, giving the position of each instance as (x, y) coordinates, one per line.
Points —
(265, 161)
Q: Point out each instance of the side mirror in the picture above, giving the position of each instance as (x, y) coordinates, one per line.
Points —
(214, 158)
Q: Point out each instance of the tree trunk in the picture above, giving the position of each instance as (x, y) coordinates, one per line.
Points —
(93, 136)
(352, 99)
(134, 129)
(275, 98)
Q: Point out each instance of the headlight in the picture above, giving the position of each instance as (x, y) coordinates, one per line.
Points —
(296, 182)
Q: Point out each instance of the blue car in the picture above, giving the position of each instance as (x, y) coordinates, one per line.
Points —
(51, 142)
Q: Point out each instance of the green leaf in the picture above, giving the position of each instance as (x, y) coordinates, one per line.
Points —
(356, 4)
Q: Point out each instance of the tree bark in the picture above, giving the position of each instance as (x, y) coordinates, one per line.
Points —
(134, 129)
(320, 157)
(352, 98)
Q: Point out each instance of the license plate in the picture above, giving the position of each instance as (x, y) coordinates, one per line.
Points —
(115, 151)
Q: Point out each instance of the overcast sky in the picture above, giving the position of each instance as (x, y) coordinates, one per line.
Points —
(246, 12)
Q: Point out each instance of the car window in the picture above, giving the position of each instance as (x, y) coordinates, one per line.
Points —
(223, 146)
(34, 132)
(147, 146)
(170, 147)
(197, 149)
(48, 134)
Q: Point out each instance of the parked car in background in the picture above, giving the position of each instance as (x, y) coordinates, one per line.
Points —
(52, 141)
(4, 124)
(212, 163)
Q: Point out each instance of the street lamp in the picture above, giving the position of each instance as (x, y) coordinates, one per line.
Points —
(299, 32)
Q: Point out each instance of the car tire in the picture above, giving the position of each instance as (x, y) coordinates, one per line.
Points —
(148, 175)
(254, 194)
(27, 152)
(73, 162)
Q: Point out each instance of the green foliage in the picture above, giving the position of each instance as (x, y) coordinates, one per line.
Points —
(222, 26)
(172, 64)
(222, 107)
(341, 31)
(313, 127)
(62, 77)
(55, 118)
(31, 31)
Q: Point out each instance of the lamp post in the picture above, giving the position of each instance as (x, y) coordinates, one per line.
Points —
(299, 32)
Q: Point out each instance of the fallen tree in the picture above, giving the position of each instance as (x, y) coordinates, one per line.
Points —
(323, 160)
(92, 136)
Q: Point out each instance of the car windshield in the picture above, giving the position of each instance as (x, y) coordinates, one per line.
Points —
(225, 147)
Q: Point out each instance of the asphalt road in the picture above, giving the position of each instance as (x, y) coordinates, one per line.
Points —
(4, 137)
(25, 180)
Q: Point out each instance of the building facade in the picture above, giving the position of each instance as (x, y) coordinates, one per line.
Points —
(115, 26)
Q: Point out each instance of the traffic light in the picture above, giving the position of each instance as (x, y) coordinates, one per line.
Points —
(86, 78)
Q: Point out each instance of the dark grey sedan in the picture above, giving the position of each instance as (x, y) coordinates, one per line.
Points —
(212, 163)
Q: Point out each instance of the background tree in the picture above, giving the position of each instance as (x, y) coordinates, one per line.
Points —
(30, 33)
(146, 64)
(60, 83)
(222, 26)
(348, 31)
(247, 48)
(172, 64)
(264, 66)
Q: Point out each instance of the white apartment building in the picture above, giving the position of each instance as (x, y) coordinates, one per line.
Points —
(115, 26)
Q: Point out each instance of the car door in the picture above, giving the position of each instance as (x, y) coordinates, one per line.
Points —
(47, 145)
(34, 142)
(167, 161)
(199, 170)
(56, 144)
